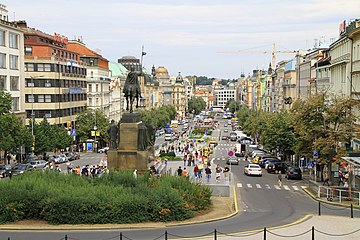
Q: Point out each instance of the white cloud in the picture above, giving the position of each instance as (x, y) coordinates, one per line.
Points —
(180, 34)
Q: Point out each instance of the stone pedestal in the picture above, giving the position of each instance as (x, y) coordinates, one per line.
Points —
(127, 156)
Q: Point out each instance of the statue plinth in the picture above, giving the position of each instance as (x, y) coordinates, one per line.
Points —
(128, 156)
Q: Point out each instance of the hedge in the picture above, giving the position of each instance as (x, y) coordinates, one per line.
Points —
(114, 198)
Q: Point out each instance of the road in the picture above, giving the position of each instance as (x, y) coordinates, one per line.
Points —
(261, 203)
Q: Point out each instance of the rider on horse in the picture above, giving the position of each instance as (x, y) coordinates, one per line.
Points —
(132, 88)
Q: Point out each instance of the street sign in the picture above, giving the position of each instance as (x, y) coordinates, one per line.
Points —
(194, 140)
(73, 132)
(230, 153)
(310, 165)
(206, 132)
(315, 154)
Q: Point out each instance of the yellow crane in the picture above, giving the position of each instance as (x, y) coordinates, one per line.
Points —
(273, 53)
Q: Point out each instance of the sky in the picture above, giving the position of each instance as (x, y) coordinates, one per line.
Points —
(189, 36)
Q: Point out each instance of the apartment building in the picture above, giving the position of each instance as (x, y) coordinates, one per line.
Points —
(12, 62)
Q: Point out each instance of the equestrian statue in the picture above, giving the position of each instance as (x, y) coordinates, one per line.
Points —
(132, 89)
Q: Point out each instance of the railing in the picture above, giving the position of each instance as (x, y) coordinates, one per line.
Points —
(339, 194)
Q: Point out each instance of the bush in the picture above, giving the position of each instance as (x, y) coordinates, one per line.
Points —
(167, 154)
(114, 198)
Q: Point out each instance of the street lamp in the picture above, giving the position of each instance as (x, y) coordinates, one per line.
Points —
(32, 112)
(95, 128)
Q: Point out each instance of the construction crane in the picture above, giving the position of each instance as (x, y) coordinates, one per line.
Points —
(273, 52)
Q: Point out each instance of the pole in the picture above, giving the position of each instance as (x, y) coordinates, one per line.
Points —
(264, 233)
(32, 116)
(215, 234)
(166, 235)
(319, 208)
(352, 211)
(95, 128)
(121, 237)
(313, 233)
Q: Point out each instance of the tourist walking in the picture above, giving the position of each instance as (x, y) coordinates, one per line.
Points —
(208, 174)
(280, 179)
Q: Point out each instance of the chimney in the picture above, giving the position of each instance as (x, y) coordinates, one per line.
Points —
(21, 23)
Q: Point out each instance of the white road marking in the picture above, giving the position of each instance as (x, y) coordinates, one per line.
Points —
(267, 186)
(286, 188)
(249, 185)
(277, 187)
(295, 188)
(258, 186)
(239, 185)
(303, 187)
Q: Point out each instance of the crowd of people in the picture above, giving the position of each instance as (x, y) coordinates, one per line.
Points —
(87, 170)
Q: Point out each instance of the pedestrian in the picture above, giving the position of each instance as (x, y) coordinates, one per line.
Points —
(135, 173)
(184, 173)
(85, 171)
(218, 171)
(326, 179)
(179, 171)
(208, 174)
(341, 178)
(196, 171)
(226, 173)
(184, 159)
(200, 168)
(280, 179)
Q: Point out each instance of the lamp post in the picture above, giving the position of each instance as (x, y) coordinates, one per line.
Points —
(95, 128)
(32, 113)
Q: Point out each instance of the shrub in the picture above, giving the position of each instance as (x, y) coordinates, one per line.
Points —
(114, 198)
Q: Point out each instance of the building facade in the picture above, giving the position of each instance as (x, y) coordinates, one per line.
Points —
(55, 78)
(12, 63)
(98, 80)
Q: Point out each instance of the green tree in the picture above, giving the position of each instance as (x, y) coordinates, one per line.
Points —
(61, 137)
(158, 117)
(233, 106)
(322, 124)
(12, 131)
(86, 121)
(44, 137)
(5, 102)
(196, 105)
(278, 132)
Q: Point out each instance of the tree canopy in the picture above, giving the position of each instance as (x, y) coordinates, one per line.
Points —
(196, 105)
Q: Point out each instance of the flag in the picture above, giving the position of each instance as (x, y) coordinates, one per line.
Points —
(143, 53)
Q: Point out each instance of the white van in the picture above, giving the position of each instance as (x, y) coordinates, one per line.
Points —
(168, 136)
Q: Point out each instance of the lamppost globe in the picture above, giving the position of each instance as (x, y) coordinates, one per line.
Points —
(95, 128)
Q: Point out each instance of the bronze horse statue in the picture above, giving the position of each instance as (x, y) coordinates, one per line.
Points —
(132, 90)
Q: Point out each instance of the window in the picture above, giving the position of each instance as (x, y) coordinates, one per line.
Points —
(14, 83)
(2, 81)
(29, 67)
(28, 50)
(90, 101)
(47, 84)
(13, 40)
(97, 102)
(48, 98)
(31, 98)
(90, 88)
(2, 38)
(41, 67)
(97, 88)
(47, 67)
(2, 60)
(14, 62)
(15, 104)
(40, 98)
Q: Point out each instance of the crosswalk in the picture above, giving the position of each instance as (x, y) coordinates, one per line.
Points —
(267, 186)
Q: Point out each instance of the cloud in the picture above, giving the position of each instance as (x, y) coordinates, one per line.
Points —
(176, 32)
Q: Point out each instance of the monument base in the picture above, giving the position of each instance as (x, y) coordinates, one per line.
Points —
(128, 160)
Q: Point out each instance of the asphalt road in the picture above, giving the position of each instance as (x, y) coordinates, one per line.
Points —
(261, 204)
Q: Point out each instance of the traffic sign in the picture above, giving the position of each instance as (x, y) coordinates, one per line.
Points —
(230, 153)
(315, 154)
(310, 165)
(73, 132)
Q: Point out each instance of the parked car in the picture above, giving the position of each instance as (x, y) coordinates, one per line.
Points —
(102, 150)
(168, 137)
(263, 160)
(224, 137)
(60, 158)
(269, 161)
(252, 169)
(232, 161)
(5, 170)
(276, 167)
(294, 173)
(38, 164)
(21, 168)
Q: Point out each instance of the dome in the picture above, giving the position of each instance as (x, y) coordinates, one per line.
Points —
(179, 79)
(161, 70)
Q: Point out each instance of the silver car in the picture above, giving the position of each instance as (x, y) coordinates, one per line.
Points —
(38, 164)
